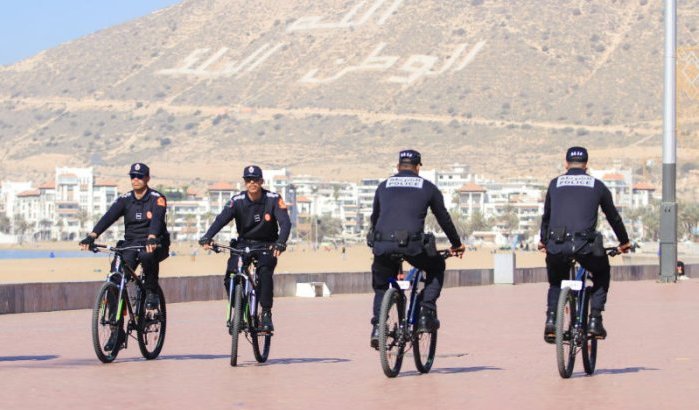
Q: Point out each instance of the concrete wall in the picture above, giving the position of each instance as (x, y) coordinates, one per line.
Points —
(43, 297)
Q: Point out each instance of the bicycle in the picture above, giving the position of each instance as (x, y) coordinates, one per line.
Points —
(398, 323)
(243, 314)
(113, 304)
(572, 321)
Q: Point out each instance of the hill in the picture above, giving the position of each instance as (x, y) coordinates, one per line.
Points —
(336, 88)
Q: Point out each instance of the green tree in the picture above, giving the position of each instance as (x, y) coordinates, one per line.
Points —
(5, 224)
(21, 227)
(324, 227)
(509, 219)
(688, 219)
(479, 222)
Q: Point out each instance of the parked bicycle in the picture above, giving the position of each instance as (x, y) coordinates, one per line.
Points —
(398, 323)
(244, 312)
(572, 321)
(124, 295)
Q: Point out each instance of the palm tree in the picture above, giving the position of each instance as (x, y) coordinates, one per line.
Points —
(21, 227)
(5, 224)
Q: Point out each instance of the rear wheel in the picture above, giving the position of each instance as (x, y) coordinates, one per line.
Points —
(261, 341)
(424, 347)
(236, 321)
(391, 342)
(104, 322)
(565, 340)
(151, 327)
(589, 348)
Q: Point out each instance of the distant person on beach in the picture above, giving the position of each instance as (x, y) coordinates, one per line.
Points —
(261, 217)
(143, 209)
(397, 224)
(568, 227)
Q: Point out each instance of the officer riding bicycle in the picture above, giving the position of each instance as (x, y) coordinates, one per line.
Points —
(397, 224)
(568, 229)
(261, 217)
(144, 210)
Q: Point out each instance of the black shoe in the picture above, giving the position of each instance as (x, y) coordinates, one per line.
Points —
(374, 341)
(550, 328)
(152, 300)
(266, 321)
(428, 321)
(116, 339)
(595, 327)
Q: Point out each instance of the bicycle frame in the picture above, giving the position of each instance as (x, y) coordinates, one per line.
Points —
(126, 275)
(410, 282)
(245, 276)
(578, 285)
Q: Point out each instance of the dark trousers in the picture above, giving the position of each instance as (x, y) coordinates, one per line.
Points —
(149, 261)
(558, 268)
(266, 263)
(385, 267)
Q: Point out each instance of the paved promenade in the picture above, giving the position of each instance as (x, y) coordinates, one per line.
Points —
(490, 356)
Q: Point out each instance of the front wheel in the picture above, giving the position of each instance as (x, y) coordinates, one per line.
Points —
(424, 347)
(589, 348)
(391, 341)
(150, 329)
(261, 341)
(565, 339)
(236, 321)
(105, 325)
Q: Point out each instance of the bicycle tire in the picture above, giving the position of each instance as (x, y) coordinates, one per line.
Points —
(236, 321)
(259, 339)
(151, 327)
(424, 348)
(565, 318)
(391, 343)
(589, 348)
(103, 317)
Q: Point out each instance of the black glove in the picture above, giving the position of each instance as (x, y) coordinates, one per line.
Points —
(370, 238)
(88, 240)
(204, 241)
(233, 243)
(281, 247)
(153, 241)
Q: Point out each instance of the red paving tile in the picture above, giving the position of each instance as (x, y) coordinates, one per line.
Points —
(490, 356)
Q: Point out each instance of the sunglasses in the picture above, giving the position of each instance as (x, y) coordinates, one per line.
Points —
(137, 176)
(251, 180)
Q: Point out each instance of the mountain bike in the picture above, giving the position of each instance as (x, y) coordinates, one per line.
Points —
(124, 295)
(572, 320)
(398, 323)
(244, 313)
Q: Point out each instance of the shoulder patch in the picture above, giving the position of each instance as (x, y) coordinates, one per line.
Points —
(161, 201)
(405, 182)
(281, 203)
(586, 181)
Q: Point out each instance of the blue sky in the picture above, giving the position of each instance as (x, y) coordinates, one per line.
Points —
(30, 26)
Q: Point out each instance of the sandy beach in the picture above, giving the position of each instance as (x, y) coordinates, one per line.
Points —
(191, 260)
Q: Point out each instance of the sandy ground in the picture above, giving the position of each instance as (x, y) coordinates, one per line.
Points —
(296, 259)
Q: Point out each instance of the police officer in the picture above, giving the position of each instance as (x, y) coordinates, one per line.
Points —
(261, 217)
(568, 228)
(397, 224)
(144, 212)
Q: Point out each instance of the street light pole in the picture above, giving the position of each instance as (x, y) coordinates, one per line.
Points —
(668, 207)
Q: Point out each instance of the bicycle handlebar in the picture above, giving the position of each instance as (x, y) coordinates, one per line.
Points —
(97, 247)
(217, 247)
(612, 251)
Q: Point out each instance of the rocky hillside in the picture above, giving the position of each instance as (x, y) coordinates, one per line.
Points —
(337, 87)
